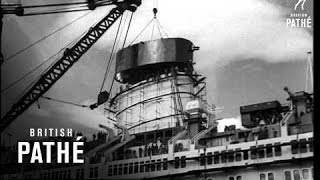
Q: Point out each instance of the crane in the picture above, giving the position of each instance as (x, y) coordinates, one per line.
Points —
(70, 56)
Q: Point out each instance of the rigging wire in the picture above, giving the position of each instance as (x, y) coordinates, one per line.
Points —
(135, 38)
(104, 2)
(152, 30)
(27, 74)
(159, 30)
(124, 42)
(44, 62)
(111, 56)
(33, 82)
(162, 28)
(64, 102)
(50, 34)
(153, 20)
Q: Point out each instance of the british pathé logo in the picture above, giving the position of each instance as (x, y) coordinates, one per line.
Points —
(300, 16)
(300, 2)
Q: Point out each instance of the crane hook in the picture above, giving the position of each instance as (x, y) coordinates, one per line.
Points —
(155, 11)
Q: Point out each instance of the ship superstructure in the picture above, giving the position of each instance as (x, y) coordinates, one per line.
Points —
(166, 129)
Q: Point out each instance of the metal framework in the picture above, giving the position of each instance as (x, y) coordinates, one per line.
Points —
(70, 56)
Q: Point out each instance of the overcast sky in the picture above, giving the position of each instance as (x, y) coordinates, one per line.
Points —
(246, 51)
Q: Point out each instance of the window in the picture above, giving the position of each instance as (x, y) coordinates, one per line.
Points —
(269, 150)
(165, 164)
(136, 167)
(183, 161)
(239, 178)
(310, 144)
(209, 158)
(223, 157)
(216, 157)
(270, 176)
(202, 159)
(95, 174)
(82, 174)
(230, 156)
(153, 165)
(147, 166)
(125, 168)
(231, 178)
(60, 174)
(159, 165)
(245, 155)
(77, 175)
(120, 169)
(261, 151)
(176, 162)
(305, 173)
(263, 176)
(253, 152)
(294, 147)
(130, 168)
(91, 172)
(277, 149)
(109, 171)
(238, 155)
(303, 146)
(287, 175)
(296, 175)
(68, 176)
(115, 170)
(141, 166)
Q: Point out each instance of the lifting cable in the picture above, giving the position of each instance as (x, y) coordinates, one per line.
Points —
(155, 21)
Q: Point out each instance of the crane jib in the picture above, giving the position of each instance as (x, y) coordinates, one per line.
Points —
(69, 57)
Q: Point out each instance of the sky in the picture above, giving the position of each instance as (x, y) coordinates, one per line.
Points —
(246, 51)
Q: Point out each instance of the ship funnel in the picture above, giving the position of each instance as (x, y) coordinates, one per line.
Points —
(146, 58)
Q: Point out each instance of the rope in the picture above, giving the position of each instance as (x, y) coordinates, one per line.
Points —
(111, 55)
(50, 34)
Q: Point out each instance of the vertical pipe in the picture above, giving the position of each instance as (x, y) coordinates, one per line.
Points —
(310, 69)
(1, 55)
(307, 76)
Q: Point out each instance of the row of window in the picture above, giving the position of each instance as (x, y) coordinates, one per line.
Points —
(238, 155)
(266, 176)
(56, 175)
(296, 174)
(66, 174)
(262, 151)
(143, 166)
(235, 178)
(301, 146)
